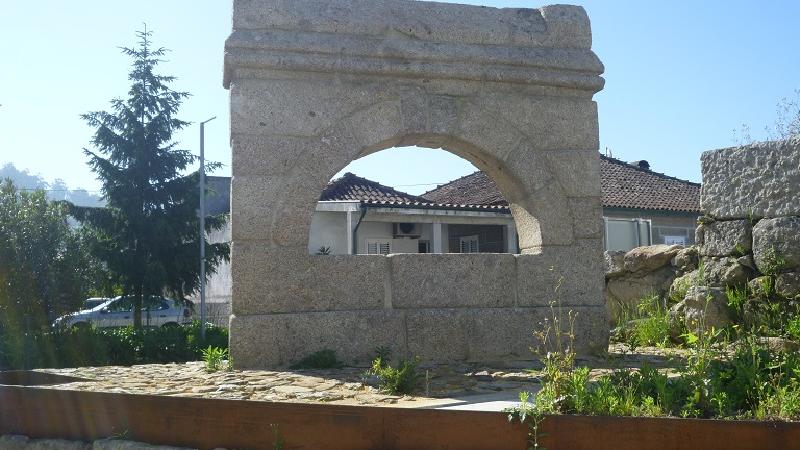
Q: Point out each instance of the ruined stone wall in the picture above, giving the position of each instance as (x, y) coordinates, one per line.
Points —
(316, 84)
(751, 198)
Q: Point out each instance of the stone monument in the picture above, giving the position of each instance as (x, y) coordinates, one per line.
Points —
(316, 84)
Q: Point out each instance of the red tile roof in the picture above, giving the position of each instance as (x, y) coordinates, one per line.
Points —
(623, 185)
(351, 187)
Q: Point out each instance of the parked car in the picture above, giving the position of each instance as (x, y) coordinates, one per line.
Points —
(118, 312)
(93, 302)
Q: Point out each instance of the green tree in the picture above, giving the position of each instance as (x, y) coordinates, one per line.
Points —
(45, 268)
(147, 234)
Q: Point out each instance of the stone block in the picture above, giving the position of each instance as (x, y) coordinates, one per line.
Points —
(572, 275)
(438, 334)
(558, 26)
(295, 107)
(787, 285)
(776, 244)
(508, 334)
(279, 340)
(453, 280)
(725, 238)
(318, 158)
(268, 279)
(587, 217)
(274, 208)
(752, 181)
(725, 271)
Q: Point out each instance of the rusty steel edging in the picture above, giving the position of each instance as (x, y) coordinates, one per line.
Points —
(209, 423)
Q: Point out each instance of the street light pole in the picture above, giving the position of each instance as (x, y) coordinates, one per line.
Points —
(203, 229)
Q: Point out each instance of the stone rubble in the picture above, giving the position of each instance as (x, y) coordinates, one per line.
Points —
(345, 386)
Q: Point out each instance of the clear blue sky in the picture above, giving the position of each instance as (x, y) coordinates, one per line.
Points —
(680, 76)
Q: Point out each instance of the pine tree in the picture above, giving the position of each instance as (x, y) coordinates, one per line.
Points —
(148, 233)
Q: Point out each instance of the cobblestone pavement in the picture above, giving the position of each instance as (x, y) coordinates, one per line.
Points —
(338, 386)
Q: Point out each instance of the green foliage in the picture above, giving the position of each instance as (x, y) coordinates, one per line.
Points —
(324, 250)
(647, 325)
(400, 380)
(793, 328)
(45, 267)
(213, 358)
(323, 359)
(751, 381)
(147, 235)
(736, 299)
(773, 263)
(76, 347)
(278, 442)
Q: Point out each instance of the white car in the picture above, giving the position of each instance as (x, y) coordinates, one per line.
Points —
(118, 312)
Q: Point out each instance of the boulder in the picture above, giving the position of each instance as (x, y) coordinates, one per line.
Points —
(626, 292)
(706, 307)
(725, 271)
(787, 285)
(725, 238)
(681, 284)
(761, 287)
(748, 261)
(779, 344)
(613, 263)
(776, 244)
(686, 259)
(649, 258)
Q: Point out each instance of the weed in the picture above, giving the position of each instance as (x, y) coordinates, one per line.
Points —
(767, 285)
(793, 328)
(213, 357)
(323, 359)
(400, 380)
(736, 299)
(278, 442)
(773, 263)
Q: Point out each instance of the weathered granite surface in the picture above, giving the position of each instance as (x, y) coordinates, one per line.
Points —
(316, 84)
(776, 244)
(725, 238)
(752, 181)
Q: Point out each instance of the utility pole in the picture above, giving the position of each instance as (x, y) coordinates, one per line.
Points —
(203, 229)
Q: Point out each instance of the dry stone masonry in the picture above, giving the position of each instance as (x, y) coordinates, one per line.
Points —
(316, 84)
(748, 241)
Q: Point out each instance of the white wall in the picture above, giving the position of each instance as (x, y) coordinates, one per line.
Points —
(329, 229)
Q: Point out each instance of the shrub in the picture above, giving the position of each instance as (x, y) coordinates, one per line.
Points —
(76, 347)
(213, 357)
(400, 380)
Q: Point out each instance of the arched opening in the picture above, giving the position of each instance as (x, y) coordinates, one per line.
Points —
(412, 200)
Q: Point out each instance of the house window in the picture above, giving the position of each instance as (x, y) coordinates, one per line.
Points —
(379, 247)
(423, 246)
(672, 240)
(625, 234)
(469, 244)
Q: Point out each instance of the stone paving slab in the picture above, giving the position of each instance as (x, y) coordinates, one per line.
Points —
(458, 386)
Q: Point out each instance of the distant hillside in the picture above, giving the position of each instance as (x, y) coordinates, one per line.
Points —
(57, 190)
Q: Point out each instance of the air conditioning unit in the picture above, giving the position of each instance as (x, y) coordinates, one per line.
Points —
(407, 230)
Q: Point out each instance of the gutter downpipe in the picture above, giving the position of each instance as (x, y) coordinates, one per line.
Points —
(363, 208)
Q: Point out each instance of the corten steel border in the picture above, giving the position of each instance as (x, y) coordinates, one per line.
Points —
(317, 84)
(209, 423)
